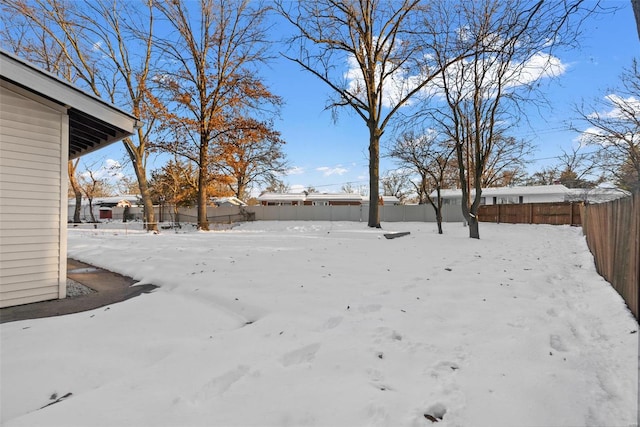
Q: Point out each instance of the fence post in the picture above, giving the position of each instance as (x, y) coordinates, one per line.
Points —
(571, 213)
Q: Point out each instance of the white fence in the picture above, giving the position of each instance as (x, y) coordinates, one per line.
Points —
(397, 213)
(227, 214)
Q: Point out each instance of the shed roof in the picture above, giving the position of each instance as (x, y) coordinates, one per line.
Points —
(93, 123)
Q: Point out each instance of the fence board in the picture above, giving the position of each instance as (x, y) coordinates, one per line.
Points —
(612, 231)
(560, 213)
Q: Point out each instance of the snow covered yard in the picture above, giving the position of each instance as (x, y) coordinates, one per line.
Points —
(329, 324)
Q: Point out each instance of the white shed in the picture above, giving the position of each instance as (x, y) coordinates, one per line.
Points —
(44, 122)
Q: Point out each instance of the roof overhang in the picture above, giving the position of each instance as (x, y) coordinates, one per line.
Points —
(93, 123)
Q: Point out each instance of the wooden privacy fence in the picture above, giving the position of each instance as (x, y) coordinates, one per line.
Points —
(613, 235)
(560, 213)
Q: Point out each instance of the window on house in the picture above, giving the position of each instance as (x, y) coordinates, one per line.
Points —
(508, 200)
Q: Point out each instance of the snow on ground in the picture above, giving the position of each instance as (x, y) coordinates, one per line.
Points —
(329, 324)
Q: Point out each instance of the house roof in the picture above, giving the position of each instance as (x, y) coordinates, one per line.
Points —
(508, 191)
(114, 200)
(93, 123)
(228, 201)
(343, 197)
(596, 195)
(281, 196)
(591, 195)
(385, 199)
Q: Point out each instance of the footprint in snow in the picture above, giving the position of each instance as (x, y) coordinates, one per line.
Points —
(435, 413)
(556, 343)
(304, 354)
(333, 322)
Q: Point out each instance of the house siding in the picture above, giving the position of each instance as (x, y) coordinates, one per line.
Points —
(33, 153)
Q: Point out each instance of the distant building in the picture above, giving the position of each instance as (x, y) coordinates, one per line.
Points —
(534, 194)
(333, 199)
(227, 201)
(320, 199)
(383, 200)
(282, 199)
(102, 206)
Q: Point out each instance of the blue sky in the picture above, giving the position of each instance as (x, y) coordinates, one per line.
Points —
(327, 154)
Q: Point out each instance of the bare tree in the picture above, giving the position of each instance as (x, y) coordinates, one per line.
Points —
(348, 188)
(104, 47)
(429, 157)
(94, 182)
(613, 129)
(276, 185)
(507, 161)
(384, 43)
(575, 168)
(483, 94)
(396, 183)
(210, 74)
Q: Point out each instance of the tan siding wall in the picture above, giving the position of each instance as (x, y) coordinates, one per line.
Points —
(32, 177)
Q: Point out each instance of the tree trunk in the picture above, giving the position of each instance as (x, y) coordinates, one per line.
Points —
(147, 202)
(78, 207)
(474, 231)
(374, 177)
(136, 154)
(71, 166)
(241, 188)
(439, 219)
(93, 217)
(203, 223)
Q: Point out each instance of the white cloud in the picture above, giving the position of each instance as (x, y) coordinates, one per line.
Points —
(621, 110)
(539, 66)
(295, 170)
(396, 85)
(327, 171)
(110, 170)
(297, 188)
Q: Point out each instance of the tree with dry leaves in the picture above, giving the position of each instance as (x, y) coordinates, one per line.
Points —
(251, 152)
(209, 78)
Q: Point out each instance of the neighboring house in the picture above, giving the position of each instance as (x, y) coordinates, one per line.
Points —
(227, 201)
(596, 195)
(384, 200)
(532, 194)
(44, 122)
(333, 199)
(320, 199)
(282, 199)
(102, 206)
